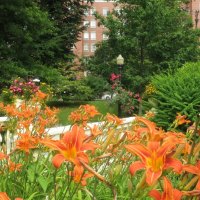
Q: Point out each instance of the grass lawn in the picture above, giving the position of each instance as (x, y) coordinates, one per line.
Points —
(103, 107)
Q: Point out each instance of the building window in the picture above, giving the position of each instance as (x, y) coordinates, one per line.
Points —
(105, 11)
(93, 47)
(86, 47)
(86, 36)
(105, 37)
(86, 23)
(93, 35)
(92, 11)
(93, 24)
(86, 12)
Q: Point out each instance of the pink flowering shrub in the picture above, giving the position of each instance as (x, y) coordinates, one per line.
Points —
(128, 100)
(24, 89)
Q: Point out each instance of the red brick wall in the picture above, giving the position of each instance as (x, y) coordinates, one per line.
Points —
(98, 5)
(195, 12)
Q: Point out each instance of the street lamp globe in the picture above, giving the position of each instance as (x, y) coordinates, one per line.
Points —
(120, 60)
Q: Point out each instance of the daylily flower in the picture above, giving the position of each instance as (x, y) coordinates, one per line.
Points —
(41, 95)
(90, 110)
(153, 133)
(4, 196)
(71, 147)
(14, 166)
(79, 176)
(95, 130)
(114, 119)
(194, 170)
(154, 158)
(26, 142)
(169, 192)
(181, 119)
(2, 156)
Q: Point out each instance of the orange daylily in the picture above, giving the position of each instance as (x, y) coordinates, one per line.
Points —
(83, 114)
(41, 95)
(75, 116)
(181, 119)
(79, 176)
(95, 130)
(4, 196)
(169, 192)
(26, 142)
(10, 110)
(194, 170)
(14, 166)
(71, 147)
(2, 156)
(114, 119)
(152, 131)
(155, 158)
(90, 110)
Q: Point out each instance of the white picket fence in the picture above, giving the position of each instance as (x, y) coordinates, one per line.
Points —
(55, 132)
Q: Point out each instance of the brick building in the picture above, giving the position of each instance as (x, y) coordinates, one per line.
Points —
(95, 33)
(194, 9)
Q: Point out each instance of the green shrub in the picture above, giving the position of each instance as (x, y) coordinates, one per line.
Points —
(73, 90)
(174, 93)
(98, 84)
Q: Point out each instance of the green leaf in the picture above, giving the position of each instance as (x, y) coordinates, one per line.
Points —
(43, 183)
(79, 195)
(32, 196)
(31, 174)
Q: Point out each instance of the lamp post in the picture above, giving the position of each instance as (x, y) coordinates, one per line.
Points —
(120, 63)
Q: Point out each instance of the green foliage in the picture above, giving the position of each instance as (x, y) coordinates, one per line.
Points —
(176, 93)
(74, 90)
(68, 17)
(36, 38)
(151, 35)
(7, 96)
(97, 84)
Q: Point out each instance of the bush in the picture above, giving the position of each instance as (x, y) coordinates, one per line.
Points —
(75, 90)
(175, 93)
(99, 86)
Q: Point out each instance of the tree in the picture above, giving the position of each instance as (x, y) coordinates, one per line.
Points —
(68, 17)
(152, 35)
(24, 38)
(36, 37)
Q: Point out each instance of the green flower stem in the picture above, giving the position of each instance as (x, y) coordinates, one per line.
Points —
(54, 180)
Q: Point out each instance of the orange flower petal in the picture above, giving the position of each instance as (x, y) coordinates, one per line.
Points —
(2, 156)
(198, 185)
(152, 177)
(168, 189)
(57, 160)
(173, 163)
(4, 196)
(139, 150)
(177, 194)
(135, 167)
(155, 194)
(192, 169)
